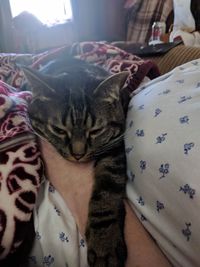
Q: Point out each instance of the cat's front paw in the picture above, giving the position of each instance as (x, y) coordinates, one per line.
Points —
(106, 248)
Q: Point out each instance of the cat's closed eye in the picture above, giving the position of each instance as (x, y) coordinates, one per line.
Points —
(58, 130)
(95, 131)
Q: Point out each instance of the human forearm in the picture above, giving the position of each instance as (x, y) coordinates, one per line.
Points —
(142, 249)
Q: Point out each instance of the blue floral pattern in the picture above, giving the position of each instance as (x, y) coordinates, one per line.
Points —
(188, 190)
(184, 119)
(57, 239)
(140, 133)
(187, 232)
(143, 165)
(164, 167)
(161, 138)
(157, 112)
(48, 260)
(82, 243)
(159, 206)
(63, 237)
(188, 147)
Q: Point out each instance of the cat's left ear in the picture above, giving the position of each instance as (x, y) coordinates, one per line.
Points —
(39, 82)
(110, 88)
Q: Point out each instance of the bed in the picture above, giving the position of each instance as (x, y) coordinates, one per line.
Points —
(162, 146)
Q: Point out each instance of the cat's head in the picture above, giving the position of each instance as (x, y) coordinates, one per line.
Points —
(80, 117)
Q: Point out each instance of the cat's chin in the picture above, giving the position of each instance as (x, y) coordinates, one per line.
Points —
(82, 160)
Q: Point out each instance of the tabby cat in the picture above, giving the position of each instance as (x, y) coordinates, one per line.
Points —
(80, 109)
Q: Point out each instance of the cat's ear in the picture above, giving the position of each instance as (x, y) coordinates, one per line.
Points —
(38, 81)
(109, 89)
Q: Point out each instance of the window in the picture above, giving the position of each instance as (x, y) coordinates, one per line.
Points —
(48, 12)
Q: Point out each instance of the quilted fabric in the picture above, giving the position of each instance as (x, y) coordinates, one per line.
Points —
(21, 169)
(115, 60)
(9, 71)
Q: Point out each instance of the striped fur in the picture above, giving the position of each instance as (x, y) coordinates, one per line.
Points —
(80, 112)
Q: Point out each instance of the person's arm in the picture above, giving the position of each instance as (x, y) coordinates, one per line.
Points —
(74, 183)
(142, 249)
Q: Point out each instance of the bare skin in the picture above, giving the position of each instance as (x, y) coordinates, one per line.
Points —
(75, 186)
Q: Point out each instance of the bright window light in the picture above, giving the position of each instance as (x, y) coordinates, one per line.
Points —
(47, 11)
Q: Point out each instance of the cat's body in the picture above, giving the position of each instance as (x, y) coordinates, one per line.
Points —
(80, 111)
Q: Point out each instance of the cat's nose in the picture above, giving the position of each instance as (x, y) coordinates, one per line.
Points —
(78, 156)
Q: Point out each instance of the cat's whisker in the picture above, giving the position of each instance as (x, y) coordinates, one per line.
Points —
(109, 146)
(40, 136)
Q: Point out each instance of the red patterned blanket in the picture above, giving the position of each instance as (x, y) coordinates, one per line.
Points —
(20, 169)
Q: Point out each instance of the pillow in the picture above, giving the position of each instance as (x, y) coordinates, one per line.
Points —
(163, 152)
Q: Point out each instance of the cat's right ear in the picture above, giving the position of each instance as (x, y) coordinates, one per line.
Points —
(38, 81)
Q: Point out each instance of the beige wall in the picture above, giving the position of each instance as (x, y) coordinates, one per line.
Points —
(99, 19)
(49, 37)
